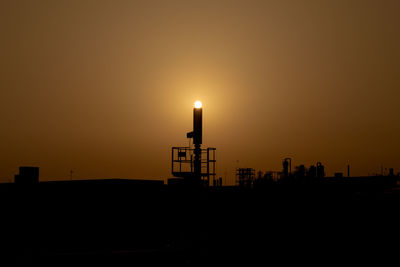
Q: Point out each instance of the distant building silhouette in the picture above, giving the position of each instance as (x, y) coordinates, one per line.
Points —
(338, 175)
(245, 177)
(287, 167)
(27, 175)
(320, 170)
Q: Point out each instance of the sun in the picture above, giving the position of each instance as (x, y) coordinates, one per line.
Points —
(198, 104)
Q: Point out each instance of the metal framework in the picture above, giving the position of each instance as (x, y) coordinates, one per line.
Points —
(183, 160)
(245, 177)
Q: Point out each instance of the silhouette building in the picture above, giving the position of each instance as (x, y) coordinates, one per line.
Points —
(245, 177)
(27, 175)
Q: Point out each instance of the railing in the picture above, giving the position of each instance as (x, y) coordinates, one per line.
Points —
(183, 162)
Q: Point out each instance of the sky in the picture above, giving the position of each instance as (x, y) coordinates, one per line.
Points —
(106, 88)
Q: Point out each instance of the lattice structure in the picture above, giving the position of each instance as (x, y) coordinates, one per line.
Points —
(245, 177)
(183, 160)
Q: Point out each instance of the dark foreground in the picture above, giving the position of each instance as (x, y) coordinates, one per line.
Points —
(122, 221)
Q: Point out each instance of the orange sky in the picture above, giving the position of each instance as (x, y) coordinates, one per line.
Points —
(107, 87)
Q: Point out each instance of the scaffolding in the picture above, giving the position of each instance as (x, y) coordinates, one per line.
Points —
(183, 160)
(245, 177)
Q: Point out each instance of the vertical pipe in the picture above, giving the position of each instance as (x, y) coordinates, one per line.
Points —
(172, 160)
(208, 167)
(197, 140)
(197, 161)
(197, 126)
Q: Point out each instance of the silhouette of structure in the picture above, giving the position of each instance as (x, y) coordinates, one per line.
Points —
(320, 170)
(118, 220)
(245, 177)
(338, 174)
(315, 176)
(195, 165)
(287, 167)
(27, 175)
(217, 182)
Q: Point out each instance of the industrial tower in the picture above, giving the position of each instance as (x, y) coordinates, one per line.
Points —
(196, 165)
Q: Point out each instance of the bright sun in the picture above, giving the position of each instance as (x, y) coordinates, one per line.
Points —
(198, 104)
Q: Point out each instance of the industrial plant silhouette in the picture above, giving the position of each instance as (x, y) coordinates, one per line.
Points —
(294, 215)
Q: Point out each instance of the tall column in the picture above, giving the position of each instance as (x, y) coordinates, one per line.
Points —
(197, 139)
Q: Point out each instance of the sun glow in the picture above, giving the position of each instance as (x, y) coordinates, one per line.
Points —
(198, 104)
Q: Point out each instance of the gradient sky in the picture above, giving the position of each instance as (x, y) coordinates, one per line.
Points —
(107, 87)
